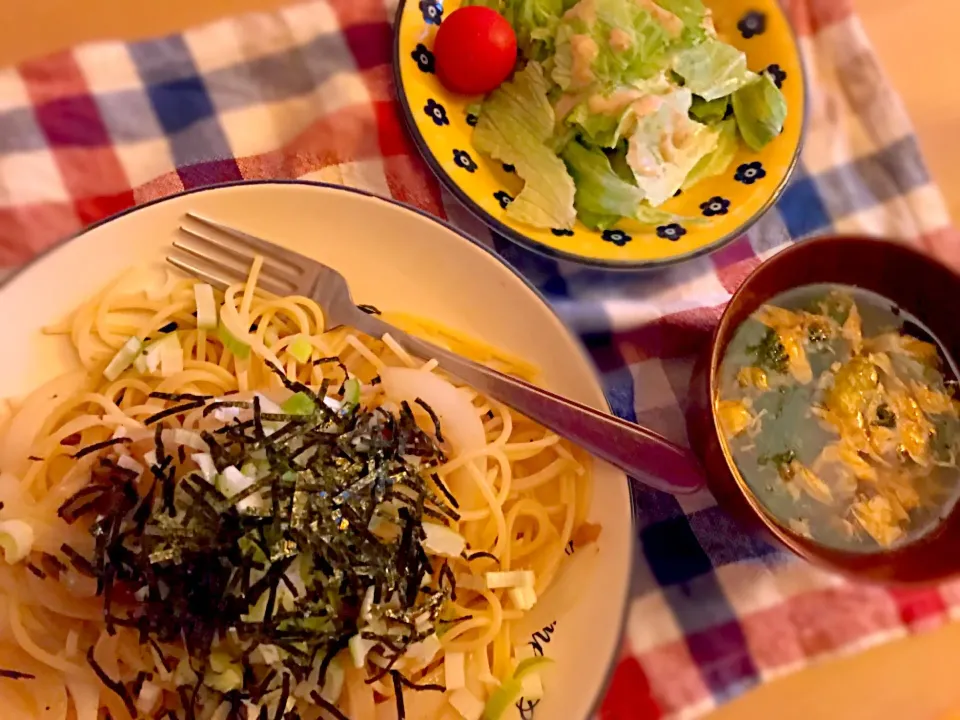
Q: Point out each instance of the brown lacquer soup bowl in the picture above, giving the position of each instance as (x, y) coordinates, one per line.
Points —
(911, 280)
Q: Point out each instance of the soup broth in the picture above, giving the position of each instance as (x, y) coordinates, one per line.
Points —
(838, 410)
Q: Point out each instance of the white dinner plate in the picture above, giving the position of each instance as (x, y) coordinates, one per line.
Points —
(398, 259)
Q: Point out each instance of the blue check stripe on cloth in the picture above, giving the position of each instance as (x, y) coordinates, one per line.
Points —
(307, 93)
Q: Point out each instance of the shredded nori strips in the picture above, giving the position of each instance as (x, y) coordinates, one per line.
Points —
(100, 446)
(398, 694)
(284, 694)
(368, 309)
(406, 682)
(201, 566)
(16, 675)
(327, 706)
(79, 562)
(52, 564)
(178, 397)
(116, 686)
(443, 488)
(433, 418)
(338, 361)
(186, 407)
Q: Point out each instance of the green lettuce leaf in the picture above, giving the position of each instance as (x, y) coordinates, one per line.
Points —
(516, 122)
(607, 44)
(601, 129)
(709, 111)
(760, 110)
(646, 215)
(535, 23)
(717, 162)
(666, 145)
(603, 196)
(618, 161)
(712, 69)
(597, 221)
(600, 191)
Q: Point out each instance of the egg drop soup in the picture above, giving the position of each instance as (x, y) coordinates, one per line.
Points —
(838, 410)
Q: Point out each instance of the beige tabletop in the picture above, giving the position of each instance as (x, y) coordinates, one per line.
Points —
(913, 679)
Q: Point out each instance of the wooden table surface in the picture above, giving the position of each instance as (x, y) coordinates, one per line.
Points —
(912, 679)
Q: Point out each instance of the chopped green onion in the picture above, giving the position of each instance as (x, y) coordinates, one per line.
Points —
(184, 674)
(454, 674)
(359, 647)
(171, 355)
(148, 359)
(16, 539)
(441, 540)
(123, 359)
(424, 651)
(238, 347)
(523, 598)
(147, 699)
(206, 306)
(301, 348)
(299, 404)
(233, 481)
(258, 611)
(230, 679)
(128, 463)
(351, 392)
(510, 691)
(206, 465)
(266, 654)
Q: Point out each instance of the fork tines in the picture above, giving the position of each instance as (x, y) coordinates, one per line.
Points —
(222, 256)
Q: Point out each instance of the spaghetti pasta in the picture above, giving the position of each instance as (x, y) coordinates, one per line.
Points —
(294, 449)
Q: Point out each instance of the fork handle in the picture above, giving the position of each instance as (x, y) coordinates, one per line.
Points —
(639, 452)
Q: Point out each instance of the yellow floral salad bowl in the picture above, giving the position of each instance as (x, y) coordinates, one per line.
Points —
(713, 211)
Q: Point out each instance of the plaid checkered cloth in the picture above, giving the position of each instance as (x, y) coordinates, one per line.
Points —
(307, 93)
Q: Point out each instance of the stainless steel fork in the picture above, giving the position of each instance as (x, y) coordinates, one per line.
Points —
(221, 255)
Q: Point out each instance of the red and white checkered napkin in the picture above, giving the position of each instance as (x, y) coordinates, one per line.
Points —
(307, 92)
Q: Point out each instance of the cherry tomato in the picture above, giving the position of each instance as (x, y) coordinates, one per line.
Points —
(475, 50)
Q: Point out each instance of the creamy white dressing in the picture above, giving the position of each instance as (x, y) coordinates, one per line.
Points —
(613, 104)
(666, 144)
(670, 22)
(647, 105)
(585, 51)
(620, 40)
(642, 161)
(566, 103)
